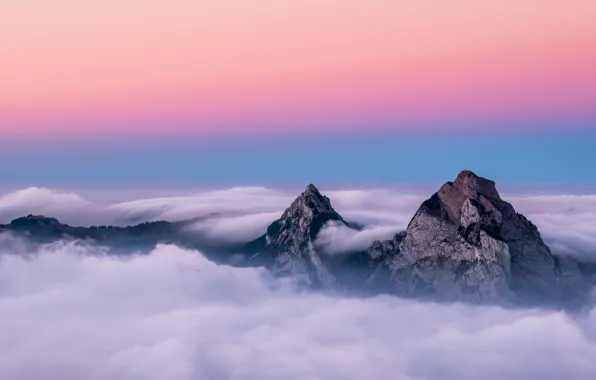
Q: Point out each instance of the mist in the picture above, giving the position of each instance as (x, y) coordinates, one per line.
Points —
(71, 311)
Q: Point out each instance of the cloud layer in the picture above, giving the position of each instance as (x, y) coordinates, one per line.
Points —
(71, 312)
(566, 221)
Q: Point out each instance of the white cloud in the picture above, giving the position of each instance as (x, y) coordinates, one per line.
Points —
(377, 206)
(241, 228)
(235, 201)
(41, 201)
(73, 209)
(336, 238)
(72, 312)
(566, 222)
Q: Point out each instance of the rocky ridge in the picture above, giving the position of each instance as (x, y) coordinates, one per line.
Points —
(288, 245)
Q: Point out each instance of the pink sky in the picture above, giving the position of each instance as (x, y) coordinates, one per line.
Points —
(69, 65)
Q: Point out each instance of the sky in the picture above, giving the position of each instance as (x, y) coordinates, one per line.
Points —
(290, 91)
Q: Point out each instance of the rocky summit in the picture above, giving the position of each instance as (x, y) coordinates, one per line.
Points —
(287, 246)
(466, 243)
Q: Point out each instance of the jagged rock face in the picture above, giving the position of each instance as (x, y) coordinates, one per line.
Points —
(302, 221)
(379, 255)
(466, 243)
(290, 238)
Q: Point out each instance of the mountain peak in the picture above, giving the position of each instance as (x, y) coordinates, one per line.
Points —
(310, 202)
(302, 221)
(451, 198)
(35, 220)
(473, 185)
(289, 241)
(312, 189)
(465, 242)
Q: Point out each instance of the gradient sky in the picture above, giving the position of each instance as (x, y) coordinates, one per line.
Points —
(114, 83)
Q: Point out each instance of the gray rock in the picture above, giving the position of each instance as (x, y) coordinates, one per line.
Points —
(289, 240)
(466, 243)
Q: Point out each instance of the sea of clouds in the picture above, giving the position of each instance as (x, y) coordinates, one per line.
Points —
(71, 311)
(68, 311)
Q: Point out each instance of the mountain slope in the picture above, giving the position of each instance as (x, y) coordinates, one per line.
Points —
(287, 246)
(466, 243)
